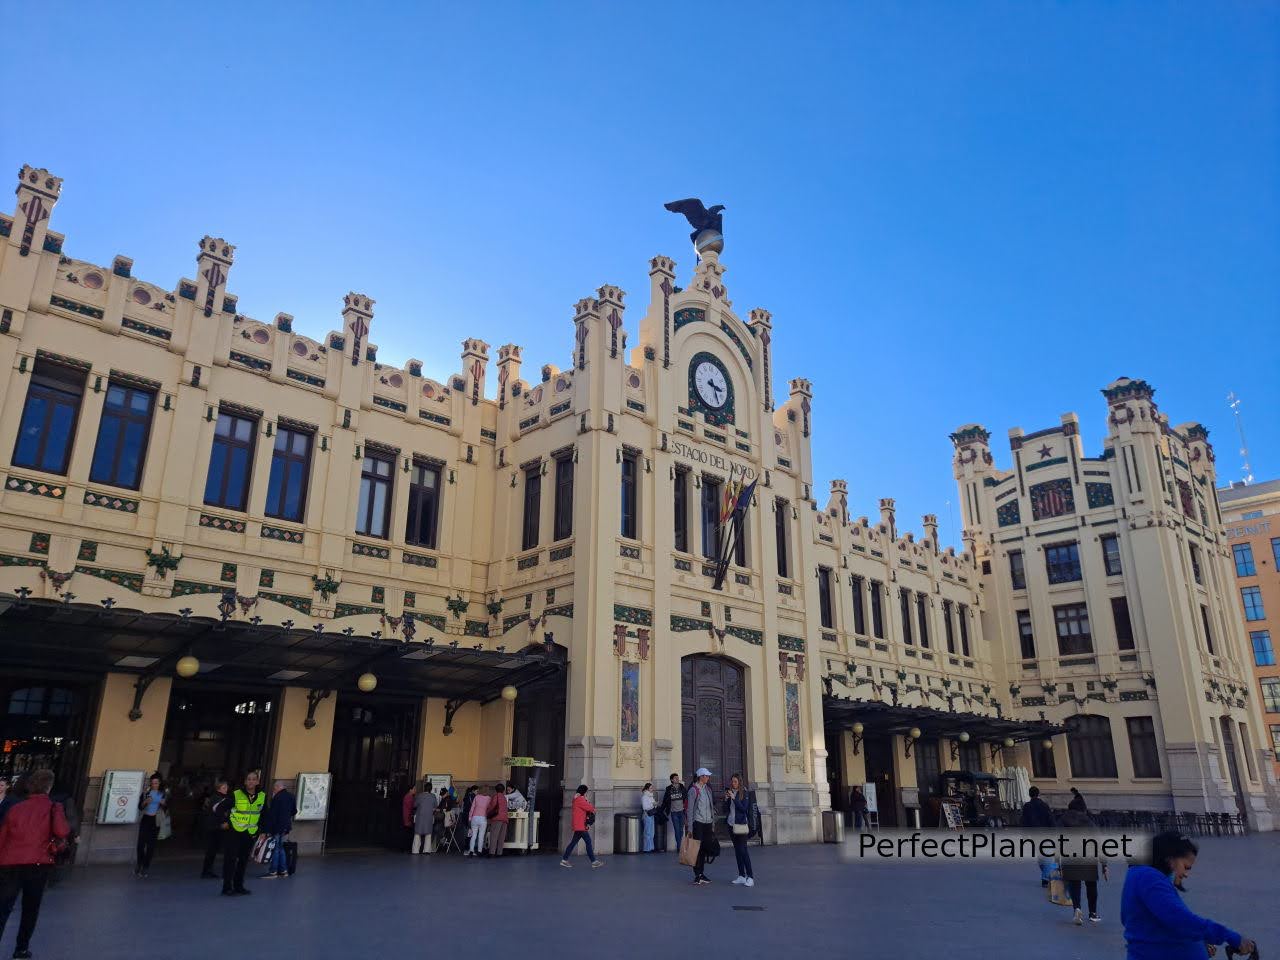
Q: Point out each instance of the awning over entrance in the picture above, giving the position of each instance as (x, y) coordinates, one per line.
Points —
(879, 717)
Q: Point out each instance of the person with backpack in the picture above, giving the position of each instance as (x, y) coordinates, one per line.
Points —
(672, 807)
(583, 816)
(701, 812)
(32, 835)
(213, 820)
(1081, 870)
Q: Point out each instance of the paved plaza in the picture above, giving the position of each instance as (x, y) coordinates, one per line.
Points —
(808, 902)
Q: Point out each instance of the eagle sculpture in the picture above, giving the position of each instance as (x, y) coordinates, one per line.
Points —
(699, 217)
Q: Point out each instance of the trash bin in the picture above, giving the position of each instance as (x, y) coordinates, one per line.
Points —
(660, 836)
(832, 826)
(626, 833)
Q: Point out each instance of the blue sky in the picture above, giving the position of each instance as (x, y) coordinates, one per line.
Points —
(955, 211)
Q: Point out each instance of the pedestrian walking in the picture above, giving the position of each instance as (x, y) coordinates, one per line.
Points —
(277, 823)
(1036, 815)
(213, 820)
(246, 811)
(1077, 801)
(582, 816)
(858, 804)
(66, 854)
(30, 838)
(743, 817)
(700, 810)
(479, 820)
(648, 807)
(1157, 924)
(1081, 870)
(498, 817)
(673, 809)
(406, 814)
(424, 821)
(8, 797)
(152, 803)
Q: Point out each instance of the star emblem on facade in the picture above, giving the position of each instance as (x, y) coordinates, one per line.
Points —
(1045, 452)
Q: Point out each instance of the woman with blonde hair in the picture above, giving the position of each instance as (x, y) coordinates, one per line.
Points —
(743, 817)
(479, 821)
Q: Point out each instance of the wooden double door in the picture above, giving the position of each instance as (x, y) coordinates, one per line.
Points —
(713, 694)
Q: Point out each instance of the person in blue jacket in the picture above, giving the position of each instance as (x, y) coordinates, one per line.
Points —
(1157, 924)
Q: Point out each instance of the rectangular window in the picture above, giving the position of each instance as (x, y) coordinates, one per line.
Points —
(1271, 694)
(230, 461)
(1251, 515)
(1042, 762)
(922, 618)
(1017, 570)
(1063, 562)
(680, 507)
(739, 538)
(1124, 626)
(562, 524)
(1026, 635)
(48, 425)
(1090, 747)
(1247, 750)
(374, 509)
(1195, 564)
(781, 522)
(964, 629)
(1263, 654)
(1111, 555)
(904, 608)
(825, 612)
(1275, 739)
(948, 626)
(1208, 634)
(711, 518)
(1252, 598)
(1243, 554)
(1275, 551)
(859, 611)
(1142, 746)
(122, 436)
(877, 609)
(630, 494)
(423, 524)
(1072, 623)
(529, 531)
(290, 468)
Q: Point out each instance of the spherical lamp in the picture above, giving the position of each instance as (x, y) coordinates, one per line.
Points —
(367, 682)
(914, 733)
(964, 736)
(858, 728)
(509, 693)
(1048, 744)
(187, 667)
(1008, 741)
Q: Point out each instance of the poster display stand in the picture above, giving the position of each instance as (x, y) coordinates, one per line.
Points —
(120, 792)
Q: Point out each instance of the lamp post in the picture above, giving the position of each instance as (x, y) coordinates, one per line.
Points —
(856, 730)
(912, 736)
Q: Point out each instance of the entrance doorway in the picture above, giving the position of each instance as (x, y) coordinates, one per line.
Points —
(879, 751)
(43, 725)
(538, 731)
(375, 743)
(928, 779)
(839, 790)
(713, 719)
(1233, 765)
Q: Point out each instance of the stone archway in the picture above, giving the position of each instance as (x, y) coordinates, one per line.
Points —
(713, 717)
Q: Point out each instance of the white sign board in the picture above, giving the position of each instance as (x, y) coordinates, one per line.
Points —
(121, 790)
(439, 781)
(313, 796)
(869, 791)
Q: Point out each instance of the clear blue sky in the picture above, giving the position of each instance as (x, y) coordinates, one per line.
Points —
(955, 211)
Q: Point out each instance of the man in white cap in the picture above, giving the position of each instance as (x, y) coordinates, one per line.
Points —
(701, 811)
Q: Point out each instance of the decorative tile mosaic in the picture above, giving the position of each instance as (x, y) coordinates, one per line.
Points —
(687, 624)
(39, 543)
(564, 610)
(186, 588)
(390, 404)
(561, 553)
(281, 534)
(475, 628)
(228, 574)
(378, 595)
(631, 553)
(229, 524)
(410, 599)
(88, 552)
(513, 621)
(306, 378)
(434, 418)
(81, 308)
(705, 607)
(367, 550)
(790, 643)
(524, 563)
(688, 315)
(130, 581)
(10, 560)
(430, 619)
(54, 491)
(1099, 494)
(560, 408)
(253, 363)
(353, 610)
(267, 578)
(742, 347)
(1009, 514)
(301, 604)
(636, 615)
(419, 560)
(754, 637)
(138, 326)
(1053, 498)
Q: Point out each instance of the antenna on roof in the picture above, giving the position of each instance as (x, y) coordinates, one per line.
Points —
(1234, 403)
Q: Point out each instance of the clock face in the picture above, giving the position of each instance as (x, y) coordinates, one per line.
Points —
(710, 381)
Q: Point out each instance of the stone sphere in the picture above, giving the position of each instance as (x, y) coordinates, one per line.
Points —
(709, 241)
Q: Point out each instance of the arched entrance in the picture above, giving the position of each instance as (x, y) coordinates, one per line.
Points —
(43, 724)
(713, 717)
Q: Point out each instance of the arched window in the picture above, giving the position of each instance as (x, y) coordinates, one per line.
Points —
(1090, 747)
(42, 701)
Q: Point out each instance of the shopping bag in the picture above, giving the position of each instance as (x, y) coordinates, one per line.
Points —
(1058, 890)
(689, 848)
(263, 848)
(164, 826)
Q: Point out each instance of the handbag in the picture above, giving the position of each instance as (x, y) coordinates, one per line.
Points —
(164, 826)
(263, 847)
(689, 848)
(58, 846)
(713, 850)
(741, 829)
(1058, 890)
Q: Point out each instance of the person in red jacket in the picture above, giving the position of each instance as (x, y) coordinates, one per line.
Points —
(406, 812)
(584, 814)
(27, 838)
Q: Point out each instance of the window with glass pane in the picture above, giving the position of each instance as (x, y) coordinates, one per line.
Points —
(877, 611)
(230, 461)
(1042, 762)
(1243, 555)
(1017, 570)
(290, 469)
(739, 521)
(562, 525)
(1195, 564)
(532, 508)
(1251, 515)
(825, 612)
(1275, 551)
(1063, 562)
(1111, 555)
(1275, 739)
(922, 618)
(48, 425)
(710, 518)
(1072, 623)
(630, 494)
(1252, 598)
(680, 506)
(964, 629)
(1271, 694)
(1026, 635)
(374, 509)
(1208, 634)
(904, 614)
(781, 520)
(1124, 626)
(948, 626)
(423, 525)
(1263, 654)
(122, 436)
(1142, 747)
(1089, 745)
(859, 605)
(1247, 751)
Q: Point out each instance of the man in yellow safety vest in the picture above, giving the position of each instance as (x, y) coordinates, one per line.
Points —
(241, 827)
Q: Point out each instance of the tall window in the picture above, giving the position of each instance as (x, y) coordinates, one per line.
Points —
(532, 507)
(1195, 564)
(1263, 655)
(1017, 570)
(859, 611)
(374, 509)
(1042, 762)
(1208, 634)
(229, 462)
(630, 494)
(1063, 562)
(1124, 626)
(1275, 739)
(877, 609)
(1026, 636)
(680, 507)
(1089, 745)
(1275, 551)
(739, 522)
(1252, 598)
(710, 518)
(423, 525)
(781, 523)
(48, 424)
(948, 626)
(1111, 555)
(1142, 746)
(1248, 753)
(904, 609)
(1271, 694)
(562, 524)
(825, 613)
(290, 467)
(1243, 554)
(1072, 623)
(122, 436)
(964, 629)
(922, 618)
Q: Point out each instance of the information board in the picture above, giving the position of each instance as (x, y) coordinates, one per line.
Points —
(869, 791)
(121, 790)
(439, 781)
(313, 796)
(951, 813)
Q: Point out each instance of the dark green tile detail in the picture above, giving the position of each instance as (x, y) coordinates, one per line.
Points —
(267, 579)
(746, 633)
(378, 595)
(81, 308)
(10, 560)
(514, 621)
(564, 610)
(88, 552)
(636, 615)
(689, 315)
(430, 619)
(419, 560)
(137, 326)
(791, 643)
(353, 610)
(186, 588)
(39, 543)
(301, 604)
(228, 573)
(475, 628)
(688, 624)
(130, 581)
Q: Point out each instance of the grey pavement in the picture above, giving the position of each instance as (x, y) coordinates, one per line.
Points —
(808, 901)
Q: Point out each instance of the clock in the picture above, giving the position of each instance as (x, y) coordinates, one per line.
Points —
(710, 382)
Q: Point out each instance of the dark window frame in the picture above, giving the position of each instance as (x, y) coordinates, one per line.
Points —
(826, 609)
(1196, 571)
(1066, 615)
(1270, 687)
(904, 615)
(858, 586)
(709, 514)
(1208, 631)
(680, 508)
(231, 444)
(922, 619)
(370, 473)
(1026, 634)
(424, 507)
(531, 517)
(124, 417)
(1043, 764)
(781, 525)
(629, 492)
(1062, 562)
(58, 386)
(964, 629)
(1123, 623)
(1017, 570)
(562, 519)
(1143, 747)
(1091, 747)
(877, 609)
(1111, 555)
(287, 457)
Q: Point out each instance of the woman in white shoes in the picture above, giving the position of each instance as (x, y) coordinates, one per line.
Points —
(743, 817)
(1077, 871)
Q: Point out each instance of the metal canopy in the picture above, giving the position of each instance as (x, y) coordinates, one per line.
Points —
(879, 717)
(75, 638)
